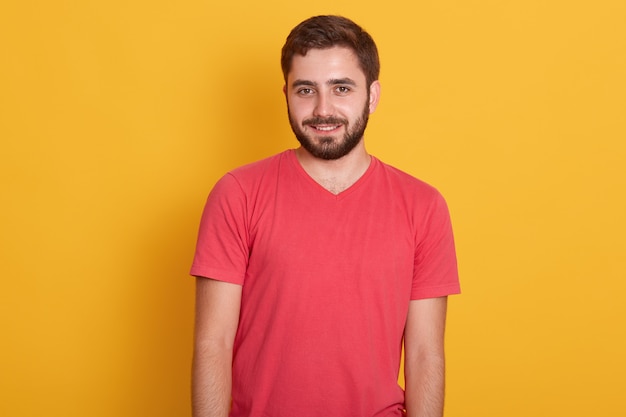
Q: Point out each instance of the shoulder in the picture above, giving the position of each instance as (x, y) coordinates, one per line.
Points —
(255, 171)
(404, 183)
(260, 165)
(249, 176)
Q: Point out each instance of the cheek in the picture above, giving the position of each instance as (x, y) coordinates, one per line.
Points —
(352, 111)
(298, 110)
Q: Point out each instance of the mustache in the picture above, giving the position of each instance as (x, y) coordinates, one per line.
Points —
(324, 121)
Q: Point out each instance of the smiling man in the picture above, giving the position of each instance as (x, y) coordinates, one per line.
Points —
(315, 265)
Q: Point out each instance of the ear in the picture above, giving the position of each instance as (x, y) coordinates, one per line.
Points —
(374, 96)
(285, 90)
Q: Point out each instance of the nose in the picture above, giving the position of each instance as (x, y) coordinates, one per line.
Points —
(323, 105)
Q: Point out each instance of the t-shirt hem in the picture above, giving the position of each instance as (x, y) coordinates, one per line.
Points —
(435, 292)
(216, 274)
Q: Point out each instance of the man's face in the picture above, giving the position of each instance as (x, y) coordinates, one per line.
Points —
(328, 101)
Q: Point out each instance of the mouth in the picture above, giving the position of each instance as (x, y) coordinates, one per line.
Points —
(325, 128)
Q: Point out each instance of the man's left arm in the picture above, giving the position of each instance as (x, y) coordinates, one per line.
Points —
(424, 361)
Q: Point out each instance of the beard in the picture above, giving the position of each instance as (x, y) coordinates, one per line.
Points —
(331, 147)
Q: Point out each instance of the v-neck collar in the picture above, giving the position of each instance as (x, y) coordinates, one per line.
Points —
(323, 191)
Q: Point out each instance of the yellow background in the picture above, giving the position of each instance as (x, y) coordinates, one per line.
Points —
(117, 117)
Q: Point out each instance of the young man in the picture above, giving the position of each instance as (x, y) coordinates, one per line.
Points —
(314, 265)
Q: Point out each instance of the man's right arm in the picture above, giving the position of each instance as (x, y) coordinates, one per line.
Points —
(216, 321)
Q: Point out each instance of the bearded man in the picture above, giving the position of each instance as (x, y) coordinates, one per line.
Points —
(315, 266)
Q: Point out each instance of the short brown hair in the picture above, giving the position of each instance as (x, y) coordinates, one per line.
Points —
(322, 32)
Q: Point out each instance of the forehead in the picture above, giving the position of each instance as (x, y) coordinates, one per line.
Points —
(321, 65)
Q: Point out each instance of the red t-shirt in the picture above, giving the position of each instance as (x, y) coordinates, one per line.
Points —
(327, 281)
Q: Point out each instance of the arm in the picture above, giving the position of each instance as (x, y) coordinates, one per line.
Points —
(424, 362)
(217, 317)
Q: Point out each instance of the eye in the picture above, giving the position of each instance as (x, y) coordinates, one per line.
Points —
(342, 89)
(304, 91)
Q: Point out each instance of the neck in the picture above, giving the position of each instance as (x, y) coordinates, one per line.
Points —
(336, 175)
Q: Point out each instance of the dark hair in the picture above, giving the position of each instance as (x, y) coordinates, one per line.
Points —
(322, 32)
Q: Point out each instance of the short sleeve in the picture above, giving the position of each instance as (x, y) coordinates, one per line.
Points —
(435, 268)
(222, 246)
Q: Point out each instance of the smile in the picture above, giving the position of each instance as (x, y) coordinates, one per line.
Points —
(326, 128)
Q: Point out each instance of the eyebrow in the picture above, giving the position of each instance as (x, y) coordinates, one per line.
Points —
(332, 81)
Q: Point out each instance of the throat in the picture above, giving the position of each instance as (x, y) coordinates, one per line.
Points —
(336, 175)
(334, 186)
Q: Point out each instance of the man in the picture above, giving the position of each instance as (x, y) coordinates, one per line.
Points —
(314, 265)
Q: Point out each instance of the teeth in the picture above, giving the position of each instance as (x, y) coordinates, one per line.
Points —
(326, 128)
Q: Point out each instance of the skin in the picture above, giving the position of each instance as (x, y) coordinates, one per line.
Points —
(424, 360)
(217, 317)
(327, 96)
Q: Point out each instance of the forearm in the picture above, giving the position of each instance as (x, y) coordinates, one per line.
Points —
(425, 383)
(211, 381)
(217, 317)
